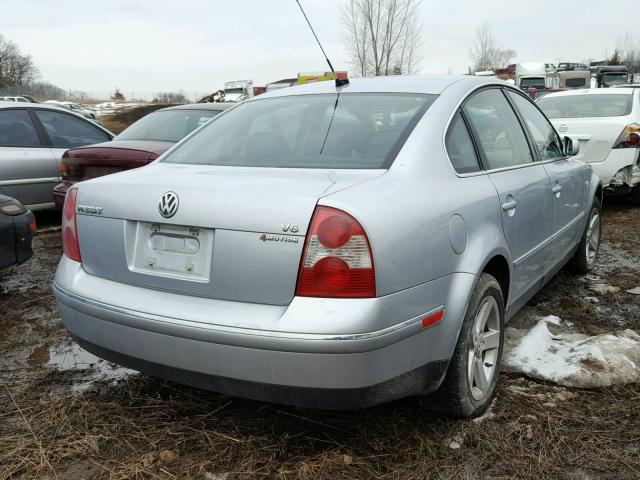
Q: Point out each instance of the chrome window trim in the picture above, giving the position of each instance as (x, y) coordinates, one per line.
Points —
(493, 170)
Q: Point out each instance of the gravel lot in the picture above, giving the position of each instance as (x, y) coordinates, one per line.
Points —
(65, 414)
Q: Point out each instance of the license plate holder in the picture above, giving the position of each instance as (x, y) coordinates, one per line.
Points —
(173, 251)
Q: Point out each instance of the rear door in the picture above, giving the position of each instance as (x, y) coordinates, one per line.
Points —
(28, 169)
(568, 179)
(521, 183)
(65, 131)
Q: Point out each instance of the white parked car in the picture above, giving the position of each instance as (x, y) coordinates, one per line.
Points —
(75, 108)
(607, 124)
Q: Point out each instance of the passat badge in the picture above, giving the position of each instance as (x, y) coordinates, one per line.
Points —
(168, 205)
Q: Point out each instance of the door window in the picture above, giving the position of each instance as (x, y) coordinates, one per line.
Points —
(544, 135)
(498, 130)
(67, 131)
(17, 129)
(460, 147)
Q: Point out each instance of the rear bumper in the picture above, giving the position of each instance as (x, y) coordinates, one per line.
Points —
(60, 192)
(617, 160)
(422, 380)
(304, 368)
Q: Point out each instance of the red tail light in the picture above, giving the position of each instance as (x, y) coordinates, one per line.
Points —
(70, 244)
(629, 138)
(336, 260)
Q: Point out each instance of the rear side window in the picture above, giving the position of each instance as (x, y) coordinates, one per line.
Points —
(340, 131)
(497, 129)
(585, 106)
(17, 129)
(544, 135)
(67, 131)
(460, 147)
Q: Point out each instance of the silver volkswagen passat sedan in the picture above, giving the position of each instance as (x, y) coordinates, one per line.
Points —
(332, 247)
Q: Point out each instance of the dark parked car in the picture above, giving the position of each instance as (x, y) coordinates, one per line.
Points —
(141, 143)
(17, 227)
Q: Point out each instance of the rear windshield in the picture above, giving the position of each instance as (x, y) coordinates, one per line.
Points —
(575, 82)
(349, 130)
(583, 106)
(614, 78)
(167, 125)
(532, 82)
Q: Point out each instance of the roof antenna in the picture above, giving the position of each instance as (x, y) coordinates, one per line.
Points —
(339, 82)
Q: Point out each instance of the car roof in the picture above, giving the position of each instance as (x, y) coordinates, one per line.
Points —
(52, 106)
(429, 84)
(592, 91)
(218, 106)
(48, 106)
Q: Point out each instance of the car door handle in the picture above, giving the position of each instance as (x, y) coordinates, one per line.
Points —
(510, 205)
(556, 189)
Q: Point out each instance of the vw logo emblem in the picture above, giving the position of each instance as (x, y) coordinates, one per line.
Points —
(168, 205)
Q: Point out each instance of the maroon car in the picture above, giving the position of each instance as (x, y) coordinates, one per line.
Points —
(142, 142)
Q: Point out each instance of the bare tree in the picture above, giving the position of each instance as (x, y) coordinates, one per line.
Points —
(627, 49)
(170, 97)
(383, 36)
(15, 68)
(486, 53)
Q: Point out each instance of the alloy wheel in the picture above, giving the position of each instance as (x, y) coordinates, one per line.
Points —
(593, 236)
(484, 348)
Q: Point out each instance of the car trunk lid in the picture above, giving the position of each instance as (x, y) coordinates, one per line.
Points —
(595, 135)
(237, 233)
(110, 157)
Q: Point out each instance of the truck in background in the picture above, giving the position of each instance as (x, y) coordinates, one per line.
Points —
(312, 77)
(284, 83)
(569, 80)
(531, 75)
(240, 90)
(609, 75)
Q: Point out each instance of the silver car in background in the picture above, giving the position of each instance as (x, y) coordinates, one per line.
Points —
(33, 137)
(332, 247)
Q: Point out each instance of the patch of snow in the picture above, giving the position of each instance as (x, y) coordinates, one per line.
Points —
(604, 288)
(455, 442)
(73, 357)
(634, 291)
(573, 359)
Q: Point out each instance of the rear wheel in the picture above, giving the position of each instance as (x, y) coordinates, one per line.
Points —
(470, 382)
(585, 258)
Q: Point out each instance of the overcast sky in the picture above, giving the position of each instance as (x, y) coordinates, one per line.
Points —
(197, 45)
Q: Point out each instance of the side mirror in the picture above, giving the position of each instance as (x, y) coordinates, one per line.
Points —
(570, 147)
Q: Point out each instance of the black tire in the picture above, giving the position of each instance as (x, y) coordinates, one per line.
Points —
(582, 262)
(635, 195)
(454, 397)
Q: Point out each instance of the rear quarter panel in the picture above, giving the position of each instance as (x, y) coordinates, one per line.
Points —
(407, 213)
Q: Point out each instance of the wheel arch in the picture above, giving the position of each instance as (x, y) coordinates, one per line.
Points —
(498, 267)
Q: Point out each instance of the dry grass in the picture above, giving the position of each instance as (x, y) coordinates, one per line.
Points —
(145, 428)
(124, 117)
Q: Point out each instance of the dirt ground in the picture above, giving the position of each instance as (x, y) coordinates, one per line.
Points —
(67, 415)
